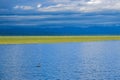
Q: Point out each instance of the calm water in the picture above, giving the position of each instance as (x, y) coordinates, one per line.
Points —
(61, 61)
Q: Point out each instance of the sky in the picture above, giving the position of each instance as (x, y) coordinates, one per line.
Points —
(82, 6)
(59, 13)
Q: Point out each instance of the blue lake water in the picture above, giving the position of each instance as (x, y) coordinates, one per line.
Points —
(61, 61)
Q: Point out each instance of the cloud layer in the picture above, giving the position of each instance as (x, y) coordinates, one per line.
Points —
(59, 20)
(74, 5)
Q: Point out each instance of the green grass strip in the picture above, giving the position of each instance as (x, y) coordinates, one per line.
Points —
(53, 39)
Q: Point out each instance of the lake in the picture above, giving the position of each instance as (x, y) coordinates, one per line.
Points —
(61, 61)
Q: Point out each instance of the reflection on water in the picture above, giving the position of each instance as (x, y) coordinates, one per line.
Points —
(62, 61)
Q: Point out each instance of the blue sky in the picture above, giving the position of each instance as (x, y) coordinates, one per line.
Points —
(59, 13)
(83, 6)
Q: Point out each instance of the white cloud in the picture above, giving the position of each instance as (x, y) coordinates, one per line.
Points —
(27, 7)
(23, 7)
(76, 5)
(61, 1)
(39, 5)
(100, 5)
(83, 5)
(94, 2)
(58, 7)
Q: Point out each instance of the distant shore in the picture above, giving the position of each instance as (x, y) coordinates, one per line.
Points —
(53, 39)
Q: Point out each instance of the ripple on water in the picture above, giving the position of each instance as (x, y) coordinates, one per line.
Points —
(64, 61)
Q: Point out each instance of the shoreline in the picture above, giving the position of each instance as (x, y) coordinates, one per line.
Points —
(53, 39)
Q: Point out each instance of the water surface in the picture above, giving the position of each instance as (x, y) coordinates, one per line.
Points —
(61, 61)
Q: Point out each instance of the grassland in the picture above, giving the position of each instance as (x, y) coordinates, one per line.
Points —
(53, 39)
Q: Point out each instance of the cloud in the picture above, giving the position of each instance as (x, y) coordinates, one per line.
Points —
(68, 1)
(75, 5)
(59, 19)
(39, 5)
(27, 7)
(58, 7)
(23, 7)
(100, 5)
(83, 5)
